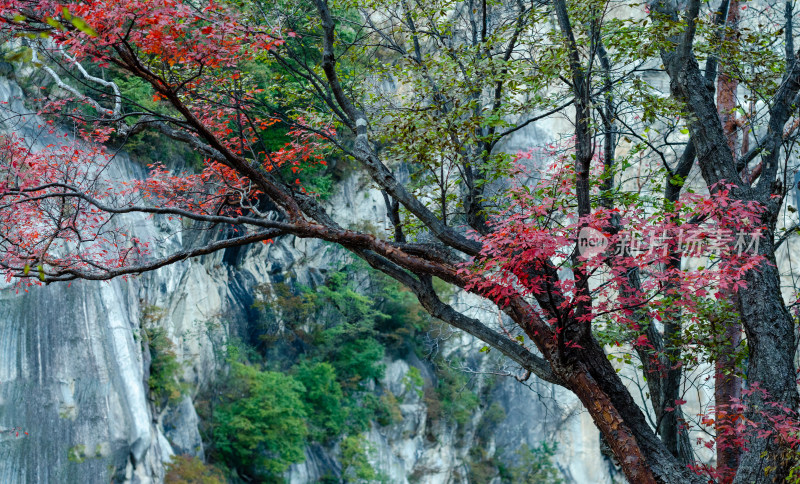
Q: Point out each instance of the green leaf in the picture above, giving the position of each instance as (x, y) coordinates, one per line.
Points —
(81, 25)
(26, 269)
(41, 272)
(485, 349)
(54, 23)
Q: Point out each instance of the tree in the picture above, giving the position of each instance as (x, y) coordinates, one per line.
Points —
(469, 75)
(261, 428)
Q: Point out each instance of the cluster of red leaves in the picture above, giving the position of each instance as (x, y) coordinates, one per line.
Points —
(738, 424)
(177, 33)
(540, 225)
(44, 223)
(194, 51)
(56, 199)
(57, 202)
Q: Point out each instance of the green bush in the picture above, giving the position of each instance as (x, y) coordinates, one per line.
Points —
(349, 342)
(413, 380)
(333, 411)
(482, 467)
(187, 469)
(324, 401)
(342, 327)
(355, 462)
(278, 303)
(356, 361)
(363, 408)
(389, 412)
(406, 318)
(77, 454)
(493, 415)
(335, 338)
(260, 426)
(536, 466)
(165, 369)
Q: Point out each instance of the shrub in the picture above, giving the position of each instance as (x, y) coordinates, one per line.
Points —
(406, 317)
(389, 412)
(356, 361)
(187, 469)
(323, 399)
(164, 381)
(494, 415)
(355, 462)
(482, 467)
(260, 426)
(350, 344)
(77, 454)
(433, 404)
(413, 379)
(536, 465)
(362, 409)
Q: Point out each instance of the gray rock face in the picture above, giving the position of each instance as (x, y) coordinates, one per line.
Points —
(73, 376)
(180, 426)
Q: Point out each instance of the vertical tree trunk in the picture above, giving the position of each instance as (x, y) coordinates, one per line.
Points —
(727, 389)
(727, 386)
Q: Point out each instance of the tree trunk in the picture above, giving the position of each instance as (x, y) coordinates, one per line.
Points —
(727, 385)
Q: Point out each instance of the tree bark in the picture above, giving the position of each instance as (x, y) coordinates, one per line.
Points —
(727, 385)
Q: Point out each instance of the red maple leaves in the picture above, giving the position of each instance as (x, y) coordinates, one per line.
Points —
(61, 205)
